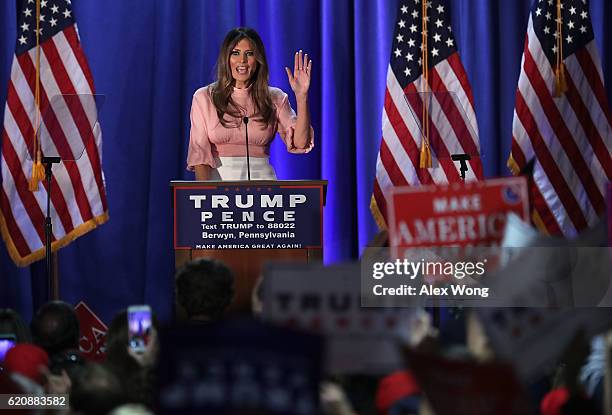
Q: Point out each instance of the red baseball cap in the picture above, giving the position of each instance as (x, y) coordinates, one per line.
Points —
(553, 401)
(26, 359)
(393, 388)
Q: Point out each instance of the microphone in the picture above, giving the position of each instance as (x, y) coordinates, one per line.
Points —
(461, 158)
(245, 120)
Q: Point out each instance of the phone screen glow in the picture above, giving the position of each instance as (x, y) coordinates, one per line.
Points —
(5, 345)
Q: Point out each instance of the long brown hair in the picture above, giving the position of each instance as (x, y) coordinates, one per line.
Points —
(221, 91)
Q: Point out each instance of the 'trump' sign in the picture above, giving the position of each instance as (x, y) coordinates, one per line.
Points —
(248, 216)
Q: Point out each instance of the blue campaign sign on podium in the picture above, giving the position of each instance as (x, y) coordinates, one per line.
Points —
(248, 214)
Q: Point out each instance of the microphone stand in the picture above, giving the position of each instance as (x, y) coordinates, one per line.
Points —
(246, 136)
(457, 311)
(462, 158)
(53, 289)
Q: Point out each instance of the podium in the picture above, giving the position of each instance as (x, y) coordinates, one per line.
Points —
(248, 223)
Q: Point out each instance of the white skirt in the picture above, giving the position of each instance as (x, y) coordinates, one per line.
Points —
(235, 168)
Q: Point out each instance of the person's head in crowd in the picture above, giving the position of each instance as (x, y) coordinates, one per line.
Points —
(27, 360)
(55, 327)
(96, 391)
(204, 288)
(12, 323)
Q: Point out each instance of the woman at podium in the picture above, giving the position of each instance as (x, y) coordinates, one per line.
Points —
(240, 103)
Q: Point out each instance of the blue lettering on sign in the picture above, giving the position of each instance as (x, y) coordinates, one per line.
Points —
(248, 217)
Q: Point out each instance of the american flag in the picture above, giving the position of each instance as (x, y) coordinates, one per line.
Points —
(452, 120)
(568, 136)
(78, 196)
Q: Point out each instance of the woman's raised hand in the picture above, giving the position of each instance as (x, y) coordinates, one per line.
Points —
(300, 78)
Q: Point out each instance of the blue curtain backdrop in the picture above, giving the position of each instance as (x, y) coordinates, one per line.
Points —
(149, 56)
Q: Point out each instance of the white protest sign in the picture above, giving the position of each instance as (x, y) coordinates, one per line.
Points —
(327, 300)
(533, 338)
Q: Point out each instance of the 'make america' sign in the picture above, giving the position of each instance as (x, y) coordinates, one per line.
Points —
(458, 214)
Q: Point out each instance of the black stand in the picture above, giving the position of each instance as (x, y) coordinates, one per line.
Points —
(246, 136)
(461, 158)
(456, 312)
(48, 162)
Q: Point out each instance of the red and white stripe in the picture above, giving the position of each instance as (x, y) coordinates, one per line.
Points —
(453, 120)
(78, 195)
(569, 136)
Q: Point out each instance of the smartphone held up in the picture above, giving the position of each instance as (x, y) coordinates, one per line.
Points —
(7, 340)
(139, 327)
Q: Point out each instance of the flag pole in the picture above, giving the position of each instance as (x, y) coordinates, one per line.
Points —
(38, 171)
(560, 81)
(425, 156)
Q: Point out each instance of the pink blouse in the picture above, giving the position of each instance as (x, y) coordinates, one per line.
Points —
(209, 139)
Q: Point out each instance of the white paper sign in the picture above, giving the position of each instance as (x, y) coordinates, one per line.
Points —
(327, 300)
